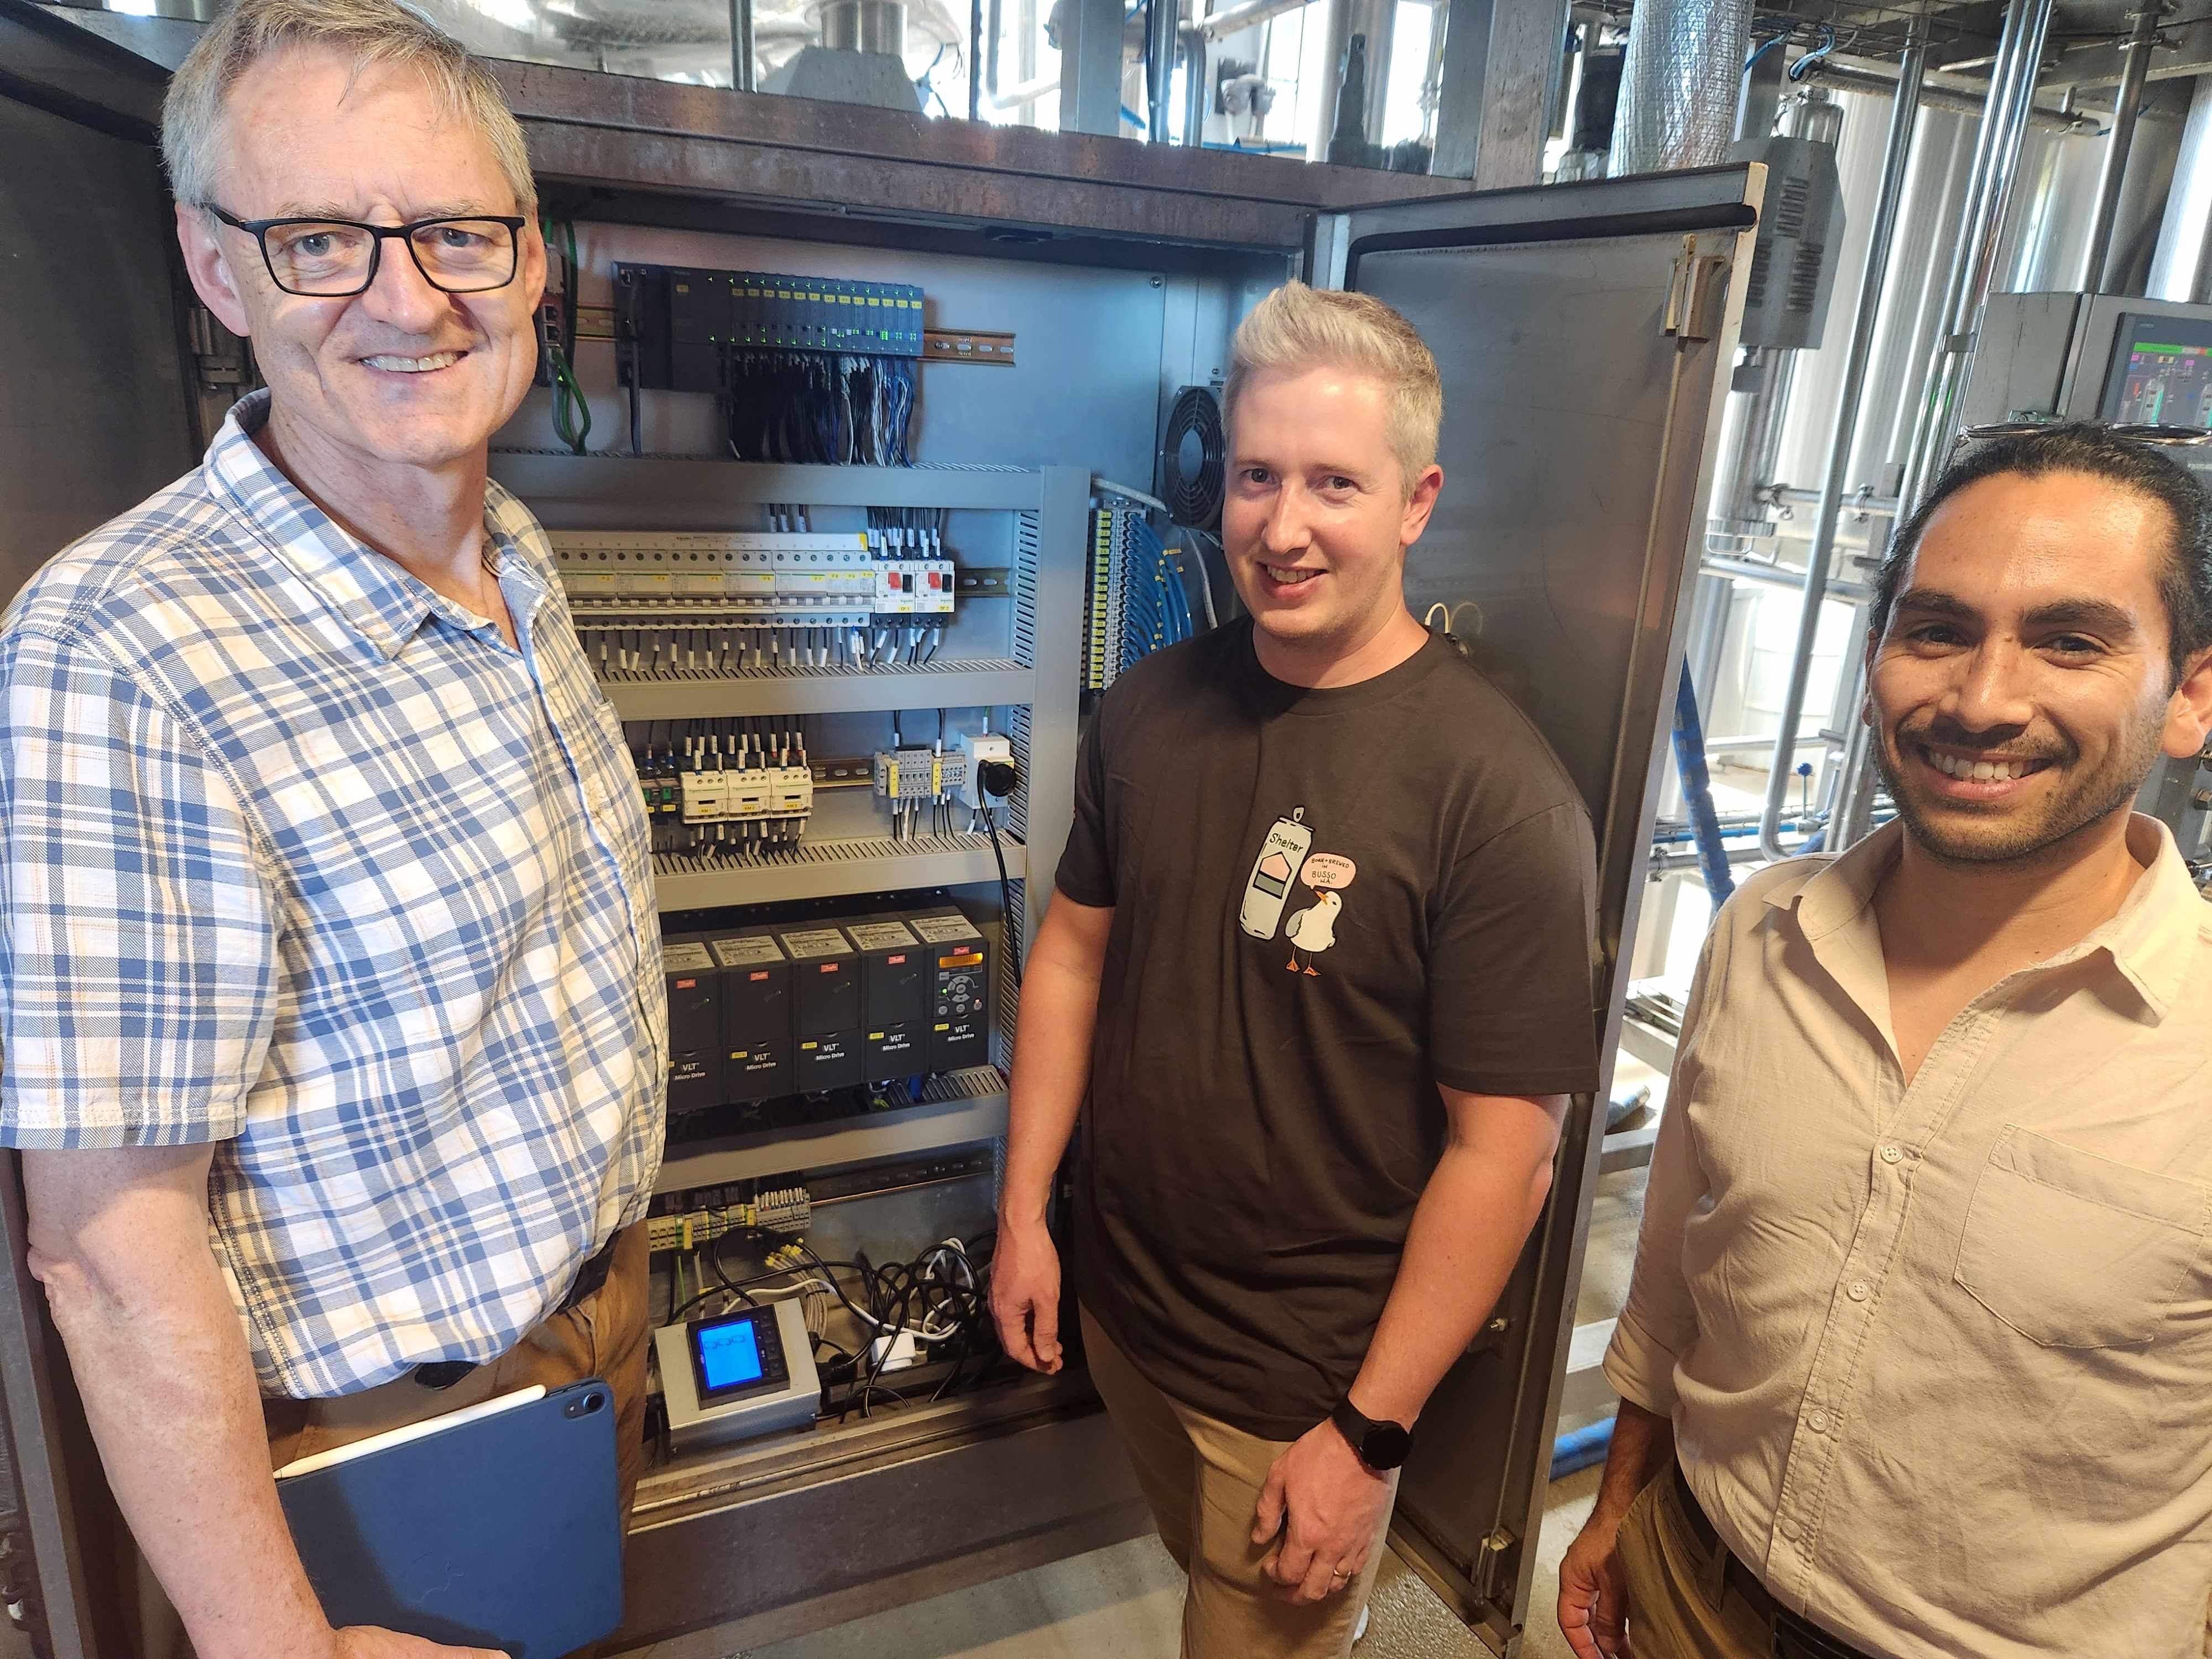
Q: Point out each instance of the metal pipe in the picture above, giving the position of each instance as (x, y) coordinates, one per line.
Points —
(1740, 745)
(992, 30)
(1854, 798)
(1776, 576)
(2135, 73)
(1758, 438)
(1863, 503)
(1995, 167)
(1027, 92)
(975, 57)
(1897, 150)
(1962, 100)
(1235, 19)
(1190, 46)
(865, 26)
(2177, 268)
(741, 45)
(1161, 17)
(1331, 29)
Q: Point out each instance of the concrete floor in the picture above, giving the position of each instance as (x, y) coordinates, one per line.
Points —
(1125, 1602)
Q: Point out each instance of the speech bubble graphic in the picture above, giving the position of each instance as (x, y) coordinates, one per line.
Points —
(1327, 870)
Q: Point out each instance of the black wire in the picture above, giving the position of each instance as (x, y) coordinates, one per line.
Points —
(637, 447)
(1012, 923)
(714, 1261)
(676, 1312)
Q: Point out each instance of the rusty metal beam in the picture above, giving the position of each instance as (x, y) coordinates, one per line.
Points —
(617, 132)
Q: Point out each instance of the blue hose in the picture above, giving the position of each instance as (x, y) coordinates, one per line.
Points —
(1581, 1449)
(1698, 791)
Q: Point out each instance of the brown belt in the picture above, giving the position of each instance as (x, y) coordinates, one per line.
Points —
(444, 1373)
(1795, 1638)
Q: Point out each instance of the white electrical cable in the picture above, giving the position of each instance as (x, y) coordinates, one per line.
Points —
(1107, 486)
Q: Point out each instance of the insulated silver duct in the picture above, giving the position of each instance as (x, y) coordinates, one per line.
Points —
(1678, 88)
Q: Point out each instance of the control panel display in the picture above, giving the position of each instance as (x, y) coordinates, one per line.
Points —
(2162, 373)
(737, 1354)
(729, 1355)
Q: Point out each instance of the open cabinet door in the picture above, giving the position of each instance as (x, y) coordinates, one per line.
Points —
(1582, 332)
(95, 414)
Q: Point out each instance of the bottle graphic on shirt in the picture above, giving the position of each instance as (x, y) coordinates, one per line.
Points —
(1269, 887)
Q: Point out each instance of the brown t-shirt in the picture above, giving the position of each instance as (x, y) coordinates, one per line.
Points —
(1326, 903)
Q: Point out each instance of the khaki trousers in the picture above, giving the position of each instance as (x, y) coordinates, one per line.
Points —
(1678, 1606)
(1202, 1480)
(603, 1336)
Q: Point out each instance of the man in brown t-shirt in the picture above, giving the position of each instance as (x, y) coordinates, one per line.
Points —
(1317, 976)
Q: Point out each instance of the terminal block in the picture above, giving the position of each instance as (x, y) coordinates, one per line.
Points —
(911, 778)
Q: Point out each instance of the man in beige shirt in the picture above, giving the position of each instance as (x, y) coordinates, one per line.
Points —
(1916, 1358)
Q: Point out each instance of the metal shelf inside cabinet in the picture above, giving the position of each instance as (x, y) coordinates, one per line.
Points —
(994, 683)
(833, 869)
(968, 1106)
(545, 478)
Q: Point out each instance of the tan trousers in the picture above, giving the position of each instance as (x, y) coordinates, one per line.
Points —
(1202, 1478)
(603, 1336)
(1678, 1607)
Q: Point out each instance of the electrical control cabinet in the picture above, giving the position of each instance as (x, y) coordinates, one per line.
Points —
(1567, 325)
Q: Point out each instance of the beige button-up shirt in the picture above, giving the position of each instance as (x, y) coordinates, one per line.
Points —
(1939, 1357)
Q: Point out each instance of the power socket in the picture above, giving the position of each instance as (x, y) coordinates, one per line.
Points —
(977, 748)
(903, 1353)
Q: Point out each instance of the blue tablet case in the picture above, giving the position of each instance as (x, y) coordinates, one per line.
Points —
(501, 1533)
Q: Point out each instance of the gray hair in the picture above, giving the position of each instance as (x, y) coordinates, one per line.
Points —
(1297, 328)
(370, 33)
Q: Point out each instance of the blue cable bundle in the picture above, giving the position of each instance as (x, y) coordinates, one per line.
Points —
(1157, 607)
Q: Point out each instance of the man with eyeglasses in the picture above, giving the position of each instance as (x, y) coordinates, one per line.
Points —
(330, 980)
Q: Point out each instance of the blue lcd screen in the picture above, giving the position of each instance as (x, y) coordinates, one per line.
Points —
(729, 1355)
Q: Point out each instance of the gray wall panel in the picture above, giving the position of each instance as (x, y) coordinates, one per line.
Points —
(93, 416)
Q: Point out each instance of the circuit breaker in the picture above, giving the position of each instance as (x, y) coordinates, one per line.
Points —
(826, 997)
(695, 1025)
(756, 1015)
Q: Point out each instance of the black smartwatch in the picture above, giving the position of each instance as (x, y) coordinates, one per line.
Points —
(1380, 1446)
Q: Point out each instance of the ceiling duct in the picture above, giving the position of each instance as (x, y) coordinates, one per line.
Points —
(1678, 85)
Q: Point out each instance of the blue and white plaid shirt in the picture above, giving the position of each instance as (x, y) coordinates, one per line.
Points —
(302, 858)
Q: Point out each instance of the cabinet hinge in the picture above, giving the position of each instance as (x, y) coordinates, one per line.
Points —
(1696, 293)
(19, 1582)
(218, 355)
(1496, 1560)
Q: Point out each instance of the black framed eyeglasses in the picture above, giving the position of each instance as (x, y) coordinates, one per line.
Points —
(333, 259)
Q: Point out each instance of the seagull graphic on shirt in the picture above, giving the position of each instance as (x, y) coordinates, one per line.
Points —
(1312, 931)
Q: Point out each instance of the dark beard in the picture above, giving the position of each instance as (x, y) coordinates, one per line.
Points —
(2079, 802)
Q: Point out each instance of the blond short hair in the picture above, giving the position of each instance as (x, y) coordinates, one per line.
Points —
(1297, 328)
(370, 33)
